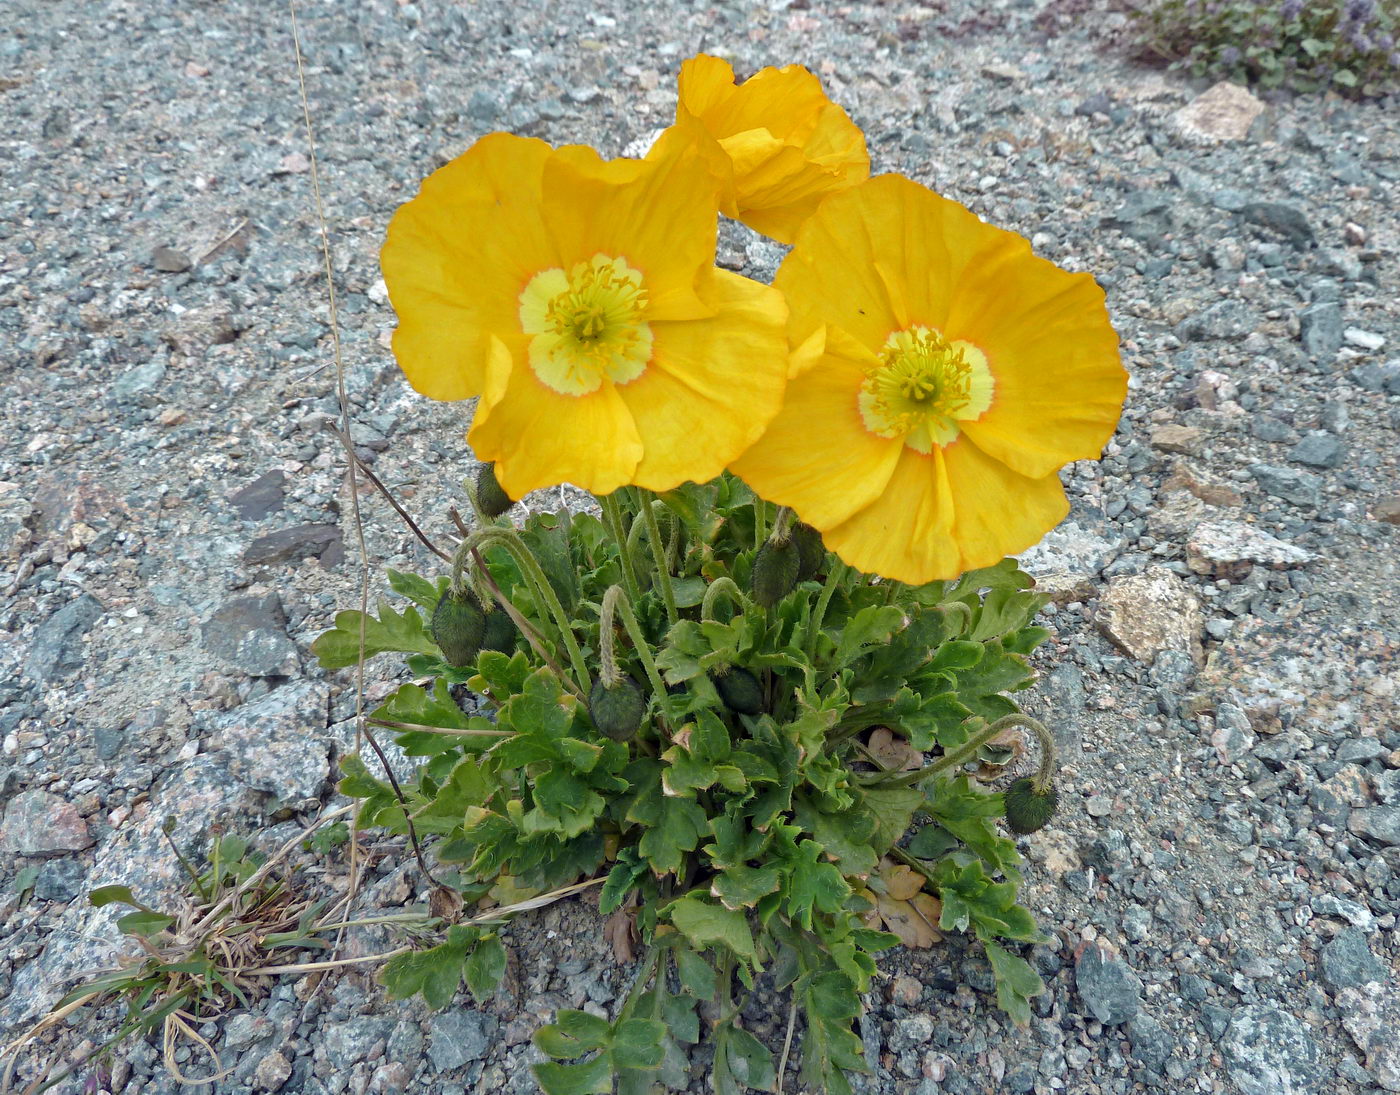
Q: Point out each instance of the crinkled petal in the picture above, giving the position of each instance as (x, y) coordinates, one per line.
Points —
(817, 455)
(712, 385)
(456, 258)
(539, 437)
(996, 511)
(660, 215)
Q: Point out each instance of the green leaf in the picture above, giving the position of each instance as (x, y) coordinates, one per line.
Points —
(740, 886)
(435, 973)
(143, 922)
(500, 676)
(746, 1060)
(706, 924)
(674, 827)
(419, 590)
(25, 878)
(485, 967)
(340, 646)
(572, 1034)
(622, 879)
(106, 895)
(893, 810)
(871, 626)
(593, 1077)
(638, 1043)
(1017, 982)
(844, 836)
(697, 976)
(814, 884)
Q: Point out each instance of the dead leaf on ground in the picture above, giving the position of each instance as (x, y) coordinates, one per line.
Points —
(894, 753)
(620, 930)
(445, 904)
(903, 908)
(999, 753)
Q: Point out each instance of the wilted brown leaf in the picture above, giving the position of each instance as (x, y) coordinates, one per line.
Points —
(894, 753)
(620, 930)
(446, 904)
(903, 907)
(999, 753)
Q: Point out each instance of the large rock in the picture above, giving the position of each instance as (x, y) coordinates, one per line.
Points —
(1224, 113)
(1347, 962)
(1371, 1015)
(38, 823)
(1378, 823)
(1068, 559)
(1269, 1052)
(58, 644)
(321, 542)
(1230, 549)
(1145, 614)
(280, 745)
(249, 634)
(1111, 991)
(457, 1038)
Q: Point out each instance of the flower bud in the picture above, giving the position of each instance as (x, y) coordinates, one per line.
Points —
(500, 633)
(492, 499)
(617, 711)
(458, 628)
(811, 552)
(775, 569)
(1028, 810)
(739, 689)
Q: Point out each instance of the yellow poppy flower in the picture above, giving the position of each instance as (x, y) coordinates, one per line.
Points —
(945, 375)
(578, 298)
(776, 141)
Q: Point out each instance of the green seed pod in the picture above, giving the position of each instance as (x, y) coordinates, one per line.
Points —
(811, 552)
(1026, 810)
(489, 496)
(739, 689)
(618, 711)
(459, 626)
(501, 632)
(775, 570)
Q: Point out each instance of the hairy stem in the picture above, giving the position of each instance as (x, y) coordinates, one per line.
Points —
(814, 626)
(623, 607)
(722, 587)
(658, 556)
(612, 517)
(965, 752)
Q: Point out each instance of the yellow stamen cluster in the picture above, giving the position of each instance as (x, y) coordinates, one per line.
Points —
(587, 325)
(923, 386)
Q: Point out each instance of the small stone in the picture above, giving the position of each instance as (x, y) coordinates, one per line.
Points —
(1099, 805)
(1354, 234)
(1318, 449)
(1353, 912)
(170, 261)
(1269, 1052)
(1302, 488)
(1359, 751)
(1367, 340)
(1320, 329)
(272, 1072)
(321, 542)
(38, 823)
(1371, 1015)
(1230, 549)
(60, 879)
(458, 1037)
(1282, 219)
(58, 644)
(1378, 823)
(1224, 113)
(135, 384)
(1347, 962)
(1225, 319)
(1179, 439)
(1151, 1043)
(1387, 510)
(906, 990)
(1145, 614)
(1111, 991)
(261, 497)
(249, 634)
(293, 163)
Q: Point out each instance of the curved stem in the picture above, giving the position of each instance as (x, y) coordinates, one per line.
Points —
(607, 660)
(623, 606)
(532, 636)
(721, 587)
(814, 626)
(966, 612)
(782, 525)
(509, 539)
(612, 517)
(658, 556)
(965, 752)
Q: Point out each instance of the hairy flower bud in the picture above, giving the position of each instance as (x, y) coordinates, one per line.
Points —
(775, 570)
(811, 552)
(739, 689)
(459, 626)
(617, 711)
(490, 496)
(500, 633)
(1027, 810)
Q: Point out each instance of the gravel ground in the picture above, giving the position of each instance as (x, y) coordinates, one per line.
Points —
(1224, 875)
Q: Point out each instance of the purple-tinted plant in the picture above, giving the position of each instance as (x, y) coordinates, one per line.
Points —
(1306, 45)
